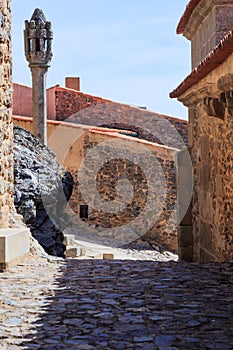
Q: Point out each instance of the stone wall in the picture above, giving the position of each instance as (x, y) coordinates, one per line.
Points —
(208, 23)
(204, 39)
(211, 123)
(213, 195)
(6, 131)
(128, 185)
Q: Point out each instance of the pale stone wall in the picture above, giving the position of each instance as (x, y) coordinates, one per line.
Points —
(208, 24)
(211, 123)
(6, 133)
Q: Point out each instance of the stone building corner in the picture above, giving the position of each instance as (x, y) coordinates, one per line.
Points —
(208, 94)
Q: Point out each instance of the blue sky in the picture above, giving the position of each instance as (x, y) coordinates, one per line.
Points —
(124, 50)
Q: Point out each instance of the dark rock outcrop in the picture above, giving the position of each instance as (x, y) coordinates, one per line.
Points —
(42, 189)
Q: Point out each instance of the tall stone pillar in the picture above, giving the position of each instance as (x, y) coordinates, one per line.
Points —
(38, 51)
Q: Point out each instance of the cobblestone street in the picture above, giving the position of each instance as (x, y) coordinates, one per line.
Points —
(113, 304)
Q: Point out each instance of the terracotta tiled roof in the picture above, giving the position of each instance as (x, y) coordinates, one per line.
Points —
(186, 15)
(216, 57)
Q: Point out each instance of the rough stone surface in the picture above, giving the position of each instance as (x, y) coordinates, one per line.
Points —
(213, 196)
(116, 305)
(42, 188)
(6, 133)
(128, 187)
(210, 103)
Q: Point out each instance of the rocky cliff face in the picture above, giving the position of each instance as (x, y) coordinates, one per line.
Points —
(42, 186)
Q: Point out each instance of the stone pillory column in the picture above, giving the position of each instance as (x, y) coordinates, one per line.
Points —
(38, 51)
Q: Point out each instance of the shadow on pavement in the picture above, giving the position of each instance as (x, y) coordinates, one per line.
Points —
(145, 305)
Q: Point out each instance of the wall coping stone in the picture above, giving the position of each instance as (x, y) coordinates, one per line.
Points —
(93, 129)
(14, 246)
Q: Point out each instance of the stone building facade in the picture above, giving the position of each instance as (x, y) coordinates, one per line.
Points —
(208, 94)
(135, 176)
(100, 122)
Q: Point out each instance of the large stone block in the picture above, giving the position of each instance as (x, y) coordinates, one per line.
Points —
(205, 177)
(14, 246)
(204, 147)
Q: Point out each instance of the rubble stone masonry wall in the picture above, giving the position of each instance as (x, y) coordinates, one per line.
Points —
(6, 132)
(213, 194)
(115, 168)
(211, 123)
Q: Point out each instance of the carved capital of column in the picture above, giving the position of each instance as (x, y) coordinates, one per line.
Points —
(214, 107)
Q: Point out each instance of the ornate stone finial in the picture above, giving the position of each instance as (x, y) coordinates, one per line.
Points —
(38, 38)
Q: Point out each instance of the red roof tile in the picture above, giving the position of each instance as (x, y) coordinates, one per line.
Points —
(216, 57)
(186, 15)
